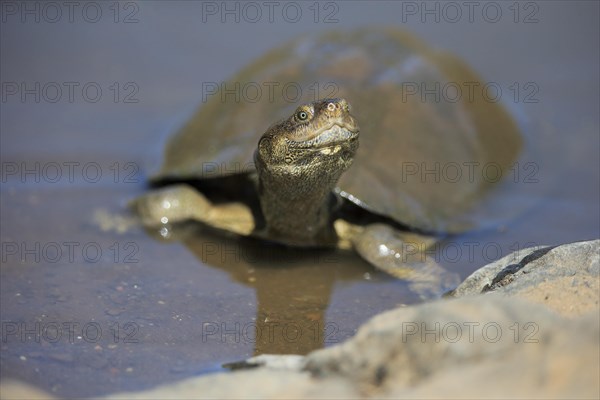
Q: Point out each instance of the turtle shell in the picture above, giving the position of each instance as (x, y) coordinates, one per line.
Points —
(429, 126)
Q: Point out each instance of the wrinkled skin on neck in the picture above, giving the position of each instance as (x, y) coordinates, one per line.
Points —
(299, 161)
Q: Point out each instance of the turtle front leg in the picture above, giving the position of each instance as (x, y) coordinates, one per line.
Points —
(179, 203)
(400, 254)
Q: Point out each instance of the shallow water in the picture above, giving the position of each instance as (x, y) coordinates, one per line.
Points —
(87, 311)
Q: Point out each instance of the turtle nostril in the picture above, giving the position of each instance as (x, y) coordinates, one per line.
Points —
(332, 106)
(344, 105)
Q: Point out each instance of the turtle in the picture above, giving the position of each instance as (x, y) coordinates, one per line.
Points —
(288, 168)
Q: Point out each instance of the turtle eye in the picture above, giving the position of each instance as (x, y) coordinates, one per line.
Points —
(302, 115)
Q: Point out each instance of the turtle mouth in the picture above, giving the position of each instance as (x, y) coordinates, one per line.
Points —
(335, 134)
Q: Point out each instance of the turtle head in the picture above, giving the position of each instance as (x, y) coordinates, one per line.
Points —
(319, 137)
(299, 161)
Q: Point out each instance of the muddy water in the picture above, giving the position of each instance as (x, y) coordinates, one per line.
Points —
(144, 311)
(89, 307)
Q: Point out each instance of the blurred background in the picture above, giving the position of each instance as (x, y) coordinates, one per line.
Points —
(96, 88)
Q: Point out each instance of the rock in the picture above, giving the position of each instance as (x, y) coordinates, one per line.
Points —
(564, 278)
(255, 384)
(492, 346)
(14, 390)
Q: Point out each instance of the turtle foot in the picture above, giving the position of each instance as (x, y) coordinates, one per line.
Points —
(403, 255)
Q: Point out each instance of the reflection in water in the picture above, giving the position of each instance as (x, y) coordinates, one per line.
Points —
(152, 306)
(293, 286)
